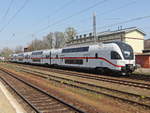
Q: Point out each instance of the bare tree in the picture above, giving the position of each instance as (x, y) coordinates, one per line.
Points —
(45, 43)
(6, 52)
(70, 32)
(59, 39)
(56, 40)
(18, 49)
(48, 41)
(36, 45)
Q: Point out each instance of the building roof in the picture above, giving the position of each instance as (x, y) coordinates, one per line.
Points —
(89, 38)
(143, 54)
(126, 30)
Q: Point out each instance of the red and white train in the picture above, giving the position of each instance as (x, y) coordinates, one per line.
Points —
(110, 56)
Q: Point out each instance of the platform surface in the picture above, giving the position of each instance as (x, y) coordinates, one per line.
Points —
(8, 103)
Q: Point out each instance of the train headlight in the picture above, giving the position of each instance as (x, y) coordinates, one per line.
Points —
(127, 53)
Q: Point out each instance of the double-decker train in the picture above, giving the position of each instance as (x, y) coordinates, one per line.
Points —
(111, 56)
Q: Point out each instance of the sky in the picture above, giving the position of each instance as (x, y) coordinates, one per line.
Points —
(21, 21)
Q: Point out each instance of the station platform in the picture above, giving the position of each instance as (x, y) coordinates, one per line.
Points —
(8, 104)
(145, 71)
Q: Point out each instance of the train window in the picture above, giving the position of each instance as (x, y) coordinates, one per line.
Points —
(115, 55)
(36, 60)
(127, 50)
(74, 61)
(21, 55)
(37, 53)
(86, 59)
(20, 59)
(96, 55)
(56, 56)
(80, 49)
(26, 56)
(47, 56)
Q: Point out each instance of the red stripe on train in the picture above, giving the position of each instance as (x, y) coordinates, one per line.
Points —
(100, 58)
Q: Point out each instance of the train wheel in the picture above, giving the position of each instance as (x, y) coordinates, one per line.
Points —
(126, 74)
(100, 70)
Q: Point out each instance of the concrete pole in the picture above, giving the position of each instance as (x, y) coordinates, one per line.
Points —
(94, 27)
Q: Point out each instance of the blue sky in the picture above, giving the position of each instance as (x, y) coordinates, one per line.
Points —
(30, 22)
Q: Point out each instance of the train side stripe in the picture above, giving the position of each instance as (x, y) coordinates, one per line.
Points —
(100, 58)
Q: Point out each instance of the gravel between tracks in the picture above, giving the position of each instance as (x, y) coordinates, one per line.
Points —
(102, 104)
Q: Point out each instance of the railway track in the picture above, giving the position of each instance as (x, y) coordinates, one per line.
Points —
(115, 94)
(101, 78)
(39, 100)
(94, 77)
(132, 77)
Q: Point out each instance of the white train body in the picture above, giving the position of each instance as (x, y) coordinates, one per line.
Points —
(116, 56)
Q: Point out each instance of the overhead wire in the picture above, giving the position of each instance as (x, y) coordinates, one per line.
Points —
(114, 9)
(127, 21)
(7, 11)
(56, 11)
(118, 8)
(64, 6)
(17, 12)
(109, 11)
(78, 13)
(106, 12)
(118, 23)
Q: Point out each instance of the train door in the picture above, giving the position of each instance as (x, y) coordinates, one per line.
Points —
(86, 60)
(50, 57)
(42, 59)
(56, 59)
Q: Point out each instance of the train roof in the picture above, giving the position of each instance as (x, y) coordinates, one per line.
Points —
(81, 48)
(92, 45)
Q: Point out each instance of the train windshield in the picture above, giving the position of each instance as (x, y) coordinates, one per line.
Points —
(126, 50)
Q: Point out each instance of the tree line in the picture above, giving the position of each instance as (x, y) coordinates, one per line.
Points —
(51, 40)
